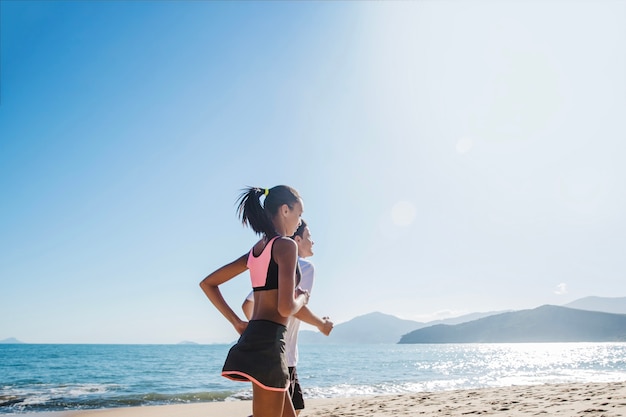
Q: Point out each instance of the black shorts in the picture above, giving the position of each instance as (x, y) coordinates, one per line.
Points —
(259, 356)
(295, 391)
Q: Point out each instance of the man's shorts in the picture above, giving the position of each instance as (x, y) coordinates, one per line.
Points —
(295, 391)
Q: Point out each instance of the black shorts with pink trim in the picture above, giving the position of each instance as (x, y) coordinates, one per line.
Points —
(259, 356)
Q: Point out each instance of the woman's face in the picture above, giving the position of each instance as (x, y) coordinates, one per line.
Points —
(293, 217)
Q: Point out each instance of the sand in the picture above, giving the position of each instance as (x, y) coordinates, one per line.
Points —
(564, 400)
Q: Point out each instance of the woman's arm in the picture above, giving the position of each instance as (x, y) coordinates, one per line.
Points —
(286, 257)
(210, 286)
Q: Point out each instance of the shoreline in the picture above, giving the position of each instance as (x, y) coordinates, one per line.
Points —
(606, 399)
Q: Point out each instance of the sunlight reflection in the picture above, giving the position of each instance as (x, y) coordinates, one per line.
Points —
(464, 145)
(403, 213)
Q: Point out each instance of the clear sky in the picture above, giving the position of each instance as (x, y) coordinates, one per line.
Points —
(453, 156)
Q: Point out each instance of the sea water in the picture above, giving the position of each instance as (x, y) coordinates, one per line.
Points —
(69, 377)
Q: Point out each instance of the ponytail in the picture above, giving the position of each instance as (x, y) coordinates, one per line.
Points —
(259, 217)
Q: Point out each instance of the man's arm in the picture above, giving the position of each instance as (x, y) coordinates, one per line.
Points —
(248, 305)
(323, 324)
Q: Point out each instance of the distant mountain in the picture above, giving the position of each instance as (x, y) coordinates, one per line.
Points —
(463, 319)
(187, 342)
(543, 324)
(377, 328)
(369, 328)
(11, 340)
(616, 305)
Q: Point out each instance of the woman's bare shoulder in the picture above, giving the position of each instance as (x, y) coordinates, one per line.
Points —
(285, 246)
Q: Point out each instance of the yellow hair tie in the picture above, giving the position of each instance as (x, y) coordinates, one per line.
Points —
(266, 192)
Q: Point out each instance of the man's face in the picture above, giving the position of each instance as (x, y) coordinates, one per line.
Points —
(305, 244)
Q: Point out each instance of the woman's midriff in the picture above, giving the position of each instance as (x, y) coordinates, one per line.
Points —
(266, 307)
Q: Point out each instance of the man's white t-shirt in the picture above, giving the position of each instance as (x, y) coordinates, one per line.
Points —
(307, 272)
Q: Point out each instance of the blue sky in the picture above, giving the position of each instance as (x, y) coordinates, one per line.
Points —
(453, 157)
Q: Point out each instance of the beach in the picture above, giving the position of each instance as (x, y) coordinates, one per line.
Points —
(565, 400)
(145, 379)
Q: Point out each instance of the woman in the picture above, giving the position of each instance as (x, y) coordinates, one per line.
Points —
(259, 355)
(303, 239)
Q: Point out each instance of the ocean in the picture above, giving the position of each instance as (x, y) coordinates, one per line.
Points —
(37, 378)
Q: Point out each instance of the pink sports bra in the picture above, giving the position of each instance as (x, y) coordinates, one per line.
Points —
(264, 270)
